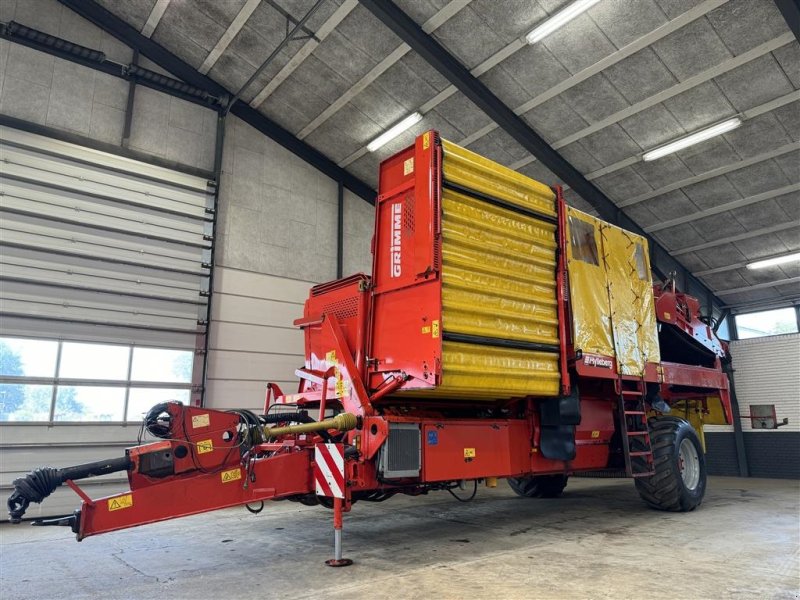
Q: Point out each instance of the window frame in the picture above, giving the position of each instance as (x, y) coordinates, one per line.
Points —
(57, 382)
(737, 327)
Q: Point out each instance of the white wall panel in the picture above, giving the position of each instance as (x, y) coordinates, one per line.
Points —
(276, 238)
(767, 371)
(258, 311)
(244, 337)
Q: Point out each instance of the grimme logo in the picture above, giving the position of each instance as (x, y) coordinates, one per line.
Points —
(395, 250)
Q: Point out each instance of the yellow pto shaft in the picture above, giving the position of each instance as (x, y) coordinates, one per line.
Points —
(341, 422)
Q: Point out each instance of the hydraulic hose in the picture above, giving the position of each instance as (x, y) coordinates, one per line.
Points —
(40, 483)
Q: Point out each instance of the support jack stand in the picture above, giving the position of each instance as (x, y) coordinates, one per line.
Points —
(337, 560)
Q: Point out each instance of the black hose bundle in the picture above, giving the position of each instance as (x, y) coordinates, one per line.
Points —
(40, 483)
(34, 487)
(158, 421)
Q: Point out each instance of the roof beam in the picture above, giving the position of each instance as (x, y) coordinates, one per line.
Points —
(635, 46)
(324, 30)
(785, 149)
(790, 9)
(159, 8)
(753, 305)
(570, 82)
(432, 24)
(758, 286)
(735, 266)
(231, 32)
(683, 86)
(458, 75)
(736, 238)
(91, 11)
(710, 212)
(748, 114)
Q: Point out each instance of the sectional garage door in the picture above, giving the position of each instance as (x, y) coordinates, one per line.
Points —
(94, 247)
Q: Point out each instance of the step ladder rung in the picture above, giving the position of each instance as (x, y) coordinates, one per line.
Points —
(645, 433)
(635, 412)
(648, 453)
(632, 393)
(645, 474)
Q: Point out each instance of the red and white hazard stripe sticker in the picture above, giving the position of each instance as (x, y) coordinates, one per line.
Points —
(329, 470)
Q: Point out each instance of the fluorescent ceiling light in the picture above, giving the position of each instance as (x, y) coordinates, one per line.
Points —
(393, 132)
(771, 262)
(692, 139)
(559, 19)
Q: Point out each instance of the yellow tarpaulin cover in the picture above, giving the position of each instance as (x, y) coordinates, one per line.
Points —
(611, 292)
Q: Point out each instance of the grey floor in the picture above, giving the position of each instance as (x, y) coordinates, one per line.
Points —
(598, 541)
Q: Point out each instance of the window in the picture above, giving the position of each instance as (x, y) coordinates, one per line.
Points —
(763, 416)
(31, 358)
(93, 361)
(63, 381)
(769, 322)
(641, 262)
(582, 241)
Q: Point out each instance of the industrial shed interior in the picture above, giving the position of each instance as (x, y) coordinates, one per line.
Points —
(176, 175)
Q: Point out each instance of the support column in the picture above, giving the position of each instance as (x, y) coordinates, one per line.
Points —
(340, 232)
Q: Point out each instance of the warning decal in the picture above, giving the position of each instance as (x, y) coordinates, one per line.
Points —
(120, 502)
(204, 446)
(231, 475)
(201, 421)
(329, 470)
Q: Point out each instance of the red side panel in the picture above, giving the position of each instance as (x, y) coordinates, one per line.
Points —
(348, 300)
(470, 450)
(407, 290)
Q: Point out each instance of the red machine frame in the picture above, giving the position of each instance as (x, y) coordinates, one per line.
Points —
(212, 468)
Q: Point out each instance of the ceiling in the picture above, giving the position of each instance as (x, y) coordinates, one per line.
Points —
(622, 78)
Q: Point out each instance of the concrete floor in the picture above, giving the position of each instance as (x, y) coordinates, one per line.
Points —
(597, 541)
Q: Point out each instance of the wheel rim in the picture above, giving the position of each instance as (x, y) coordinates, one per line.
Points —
(689, 463)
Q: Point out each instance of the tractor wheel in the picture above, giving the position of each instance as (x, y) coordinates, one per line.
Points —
(538, 486)
(679, 483)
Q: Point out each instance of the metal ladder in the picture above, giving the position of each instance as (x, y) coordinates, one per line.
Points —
(633, 428)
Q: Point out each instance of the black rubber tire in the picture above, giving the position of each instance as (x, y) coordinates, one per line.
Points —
(538, 486)
(666, 489)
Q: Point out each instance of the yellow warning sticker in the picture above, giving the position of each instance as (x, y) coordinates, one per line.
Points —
(595, 434)
(341, 386)
(120, 502)
(667, 315)
(426, 140)
(426, 330)
(201, 421)
(231, 475)
(330, 358)
(408, 166)
(435, 329)
(204, 446)
(469, 452)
